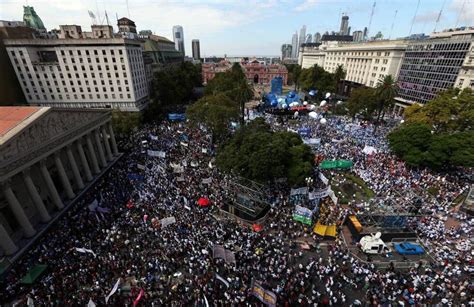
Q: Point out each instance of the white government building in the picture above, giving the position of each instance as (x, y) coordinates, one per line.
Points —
(365, 63)
(97, 69)
(48, 157)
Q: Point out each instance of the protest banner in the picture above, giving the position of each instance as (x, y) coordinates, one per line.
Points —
(156, 153)
(318, 193)
(114, 289)
(207, 180)
(218, 251)
(85, 250)
(265, 296)
(167, 221)
(299, 191)
(153, 137)
(140, 166)
(225, 282)
(323, 178)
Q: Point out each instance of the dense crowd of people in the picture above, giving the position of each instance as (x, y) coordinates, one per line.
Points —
(116, 234)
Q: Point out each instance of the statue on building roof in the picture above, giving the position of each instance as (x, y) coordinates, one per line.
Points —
(32, 19)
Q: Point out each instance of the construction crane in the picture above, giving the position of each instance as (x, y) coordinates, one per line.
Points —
(414, 17)
(393, 23)
(371, 15)
(439, 16)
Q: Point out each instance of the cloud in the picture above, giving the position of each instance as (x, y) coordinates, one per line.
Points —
(427, 17)
(306, 5)
(464, 11)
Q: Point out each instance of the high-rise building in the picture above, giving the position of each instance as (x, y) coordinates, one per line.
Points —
(317, 37)
(178, 38)
(196, 49)
(294, 46)
(301, 39)
(286, 51)
(365, 34)
(344, 30)
(309, 38)
(10, 89)
(358, 36)
(435, 64)
(90, 69)
(365, 63)
(32, 20)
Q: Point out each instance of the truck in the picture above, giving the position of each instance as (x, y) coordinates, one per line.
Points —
(373, 244)
(407, 248)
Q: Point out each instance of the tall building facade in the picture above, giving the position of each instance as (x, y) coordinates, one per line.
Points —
(294, 46)
(432, 65)
(344, 30)
(309, 39)
(286, 51)
(48, 157)
(10, 89)
(301, 38)
(317, 37)
(178, 38)
(358, 36)
(81, 70)
(365, 63)
(196, 49)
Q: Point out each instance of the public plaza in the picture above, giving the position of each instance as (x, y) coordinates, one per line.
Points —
(150, 229)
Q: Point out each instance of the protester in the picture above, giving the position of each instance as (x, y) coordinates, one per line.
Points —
(125, 240)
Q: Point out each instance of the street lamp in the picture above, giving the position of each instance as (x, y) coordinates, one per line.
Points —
(309, 181)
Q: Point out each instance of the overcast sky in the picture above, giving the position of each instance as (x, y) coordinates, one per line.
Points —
(250, 27)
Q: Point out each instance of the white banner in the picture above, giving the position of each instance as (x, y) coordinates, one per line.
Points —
(333, 197)
(204, 150)
(194, 164)
(153, 137)
(207, 180)
(184, 144)
(85, 250)
(223, 280)
(114, 289)
(156, 153)
(323, 178)
(167, 221)
(140, 166)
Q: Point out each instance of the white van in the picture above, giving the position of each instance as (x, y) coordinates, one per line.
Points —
(373, 244)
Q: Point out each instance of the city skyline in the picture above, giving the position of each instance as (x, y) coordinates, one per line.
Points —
(253, 32)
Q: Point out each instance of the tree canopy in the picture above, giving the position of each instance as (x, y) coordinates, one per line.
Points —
(438, 134)
(231, 83)
(257, 153)
(294, 72)
(316, 77)
(214, 111)
(362, 101)
(452, 110)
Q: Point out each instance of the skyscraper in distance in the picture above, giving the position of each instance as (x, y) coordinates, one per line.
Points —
(309, 38)
(317, 37)
(344, 30)
(286, 51)
(301, 39)
(196, 49)
(294, 46)
(178, 38)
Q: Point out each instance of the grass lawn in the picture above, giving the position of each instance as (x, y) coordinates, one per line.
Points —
(350, 187)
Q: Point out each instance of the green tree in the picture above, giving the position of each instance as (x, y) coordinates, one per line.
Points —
(451, 110)
(339, 74)
(216, 112)
(410, 142)
(362, 101)
(385, 91)
(256, 152)
(124, 122)
(294, 72)
(317, 78)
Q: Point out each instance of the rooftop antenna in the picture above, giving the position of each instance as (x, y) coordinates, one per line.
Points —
(460, 13)
(92, 16)
(107, 18)
(393, 23)
(439, 16)
(371, 15)
(128, 9)
(414, 17)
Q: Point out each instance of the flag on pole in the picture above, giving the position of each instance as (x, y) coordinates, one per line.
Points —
(114, 289)
(139, 297)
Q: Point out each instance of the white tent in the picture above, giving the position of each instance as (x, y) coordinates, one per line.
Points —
(369, 150)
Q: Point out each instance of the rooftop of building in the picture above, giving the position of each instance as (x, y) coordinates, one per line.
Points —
(71, 41)
(16, 117)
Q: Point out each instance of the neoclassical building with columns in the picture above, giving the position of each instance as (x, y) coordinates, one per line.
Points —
(48, 156)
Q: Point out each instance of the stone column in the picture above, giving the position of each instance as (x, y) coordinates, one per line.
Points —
(6, 243)
(84, 162)
(45, 217)
(99, 148)
(17, 210)
(90, 147)
(75, 169)
(112, 139)
(106, 143)
(51, 187)
(62, 175)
